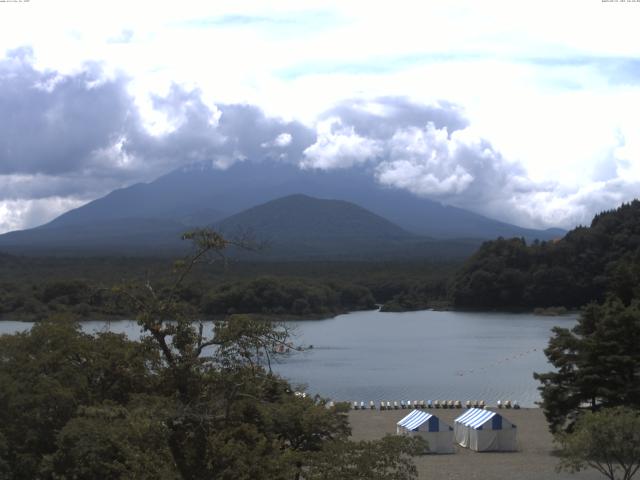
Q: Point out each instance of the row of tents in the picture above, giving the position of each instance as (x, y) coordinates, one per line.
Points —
(478, 429)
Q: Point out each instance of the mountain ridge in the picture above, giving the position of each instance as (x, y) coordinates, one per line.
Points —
(247, 184)
(204, 196)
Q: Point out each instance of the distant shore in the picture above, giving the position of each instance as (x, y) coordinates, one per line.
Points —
(534, 459)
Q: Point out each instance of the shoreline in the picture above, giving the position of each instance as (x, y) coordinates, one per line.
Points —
(329, 315)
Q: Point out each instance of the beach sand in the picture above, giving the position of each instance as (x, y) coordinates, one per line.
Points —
(533, 461)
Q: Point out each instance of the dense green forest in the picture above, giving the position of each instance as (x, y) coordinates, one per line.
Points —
(587, 265)
(32, 288)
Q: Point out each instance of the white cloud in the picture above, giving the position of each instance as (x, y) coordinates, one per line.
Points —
(282, 140)
(339, 147)
(15, 214)
(555, 97)
(425, 161)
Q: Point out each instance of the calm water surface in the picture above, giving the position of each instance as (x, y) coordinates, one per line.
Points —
(414, 355)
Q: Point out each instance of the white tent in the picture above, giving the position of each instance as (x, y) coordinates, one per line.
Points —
(484, 430)
(439, 435)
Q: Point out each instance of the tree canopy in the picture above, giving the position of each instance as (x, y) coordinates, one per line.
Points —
(180, 404)
(597, 364)
(585, 266)
(608, 441)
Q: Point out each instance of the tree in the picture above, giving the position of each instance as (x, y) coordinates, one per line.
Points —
(386, 459)
(233, 417)
(597, 364)
(5, 467)
(608, 440)
(183, 403)
(48, 373)
(112, 441)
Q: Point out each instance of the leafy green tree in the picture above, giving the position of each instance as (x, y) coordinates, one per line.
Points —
(48, 373)
(5, 467)
(386, 459)
(608, 441)
(112, 441)
(234, 418)
(183, 403)
(597, 364)
(585, 266)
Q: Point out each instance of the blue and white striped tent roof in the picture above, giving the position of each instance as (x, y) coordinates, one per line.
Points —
(477, 417)
(417, 418)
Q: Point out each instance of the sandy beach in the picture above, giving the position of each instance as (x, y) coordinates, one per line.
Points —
(534, 459)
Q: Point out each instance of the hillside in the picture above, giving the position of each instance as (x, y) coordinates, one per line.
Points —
(302, 217)
(588, 264)
(302, 227)
(296, 227)
(201, 195)
(121, 236)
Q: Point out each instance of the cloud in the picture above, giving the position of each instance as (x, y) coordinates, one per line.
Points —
(358, 130)
(15, 214)
(282, 140)
(55, 124)
(338, 146)
(427, 149)
(70, 138)
(433, 152)
(52, 124)
(381, 117)
(222, 134)
(459, 167)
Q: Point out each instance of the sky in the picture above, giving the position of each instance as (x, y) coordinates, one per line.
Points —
(527, 112)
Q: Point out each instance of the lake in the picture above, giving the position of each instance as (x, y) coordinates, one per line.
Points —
(409, 356)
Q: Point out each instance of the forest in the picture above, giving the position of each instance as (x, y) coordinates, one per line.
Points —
(34, 287)
(587, 265)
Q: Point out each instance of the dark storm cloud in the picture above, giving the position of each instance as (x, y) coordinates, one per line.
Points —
(81, 135)
(51, 124)
(251, 132)
(222, 135)
(45, 186)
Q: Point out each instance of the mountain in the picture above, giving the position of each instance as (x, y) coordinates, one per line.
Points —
(301, 217)
(121, 236)
(299, 226)
(295, 227)
(202, 195)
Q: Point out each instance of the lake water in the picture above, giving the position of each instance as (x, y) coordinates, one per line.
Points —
(409, 356)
